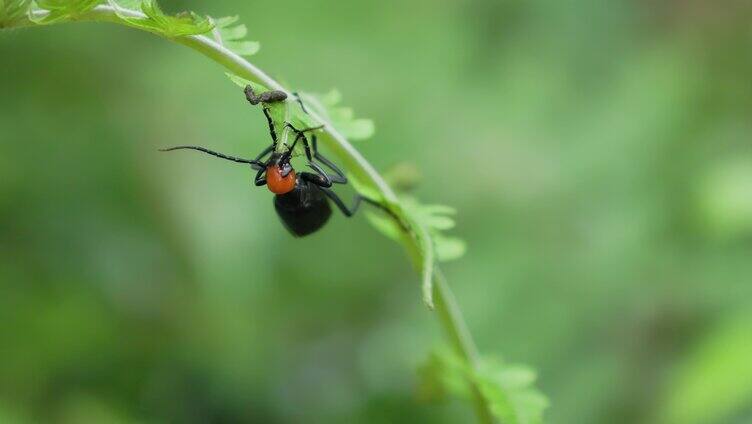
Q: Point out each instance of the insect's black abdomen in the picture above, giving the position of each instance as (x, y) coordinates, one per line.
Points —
(303, 210)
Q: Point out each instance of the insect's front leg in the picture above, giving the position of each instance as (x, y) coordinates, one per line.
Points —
(269, 121)
(262, 163)
(312, 154)
(260, 179)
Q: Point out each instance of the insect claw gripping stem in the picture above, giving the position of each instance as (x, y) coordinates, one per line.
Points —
(349, 212)
(300, 101)
(304, 130)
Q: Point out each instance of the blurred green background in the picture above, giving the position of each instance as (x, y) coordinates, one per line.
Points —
(598, 152)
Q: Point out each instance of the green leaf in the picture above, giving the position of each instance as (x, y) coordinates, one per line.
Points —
(427, 223)
(156, 21)
(63, 9)
(385, 226)
(510, 393)
(426, 246)
(232, 36)
(507, 389)
(364, 190)
(439, 210)
(448, 248)
(129, 4)
(242, 83)
(10, 10)
(435, 220)
(342, 118)
(441, 375)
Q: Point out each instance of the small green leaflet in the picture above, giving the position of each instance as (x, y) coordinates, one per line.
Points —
(232, 36)
(428, 223)
(11, 10)
(342, 118)
(128, 4)
(242, 83)
(62, 9)
(156, 21)
(508, 389)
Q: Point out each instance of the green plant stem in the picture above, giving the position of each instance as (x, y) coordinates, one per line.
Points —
(449, 312)
(462, 341)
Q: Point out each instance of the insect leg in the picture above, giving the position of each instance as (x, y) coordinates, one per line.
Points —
(271, 126)
(320, 178)
(340, 177)
(304, 130)
(306, 147)
(356, 203)
(260, 177)
(263, 153)
(349, 212)
(300, 101)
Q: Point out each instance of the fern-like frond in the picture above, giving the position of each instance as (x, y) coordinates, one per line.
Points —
(62, 9)
(508, 389)
(228, 33)
(158, 22)
(11, 10)
(341, 117)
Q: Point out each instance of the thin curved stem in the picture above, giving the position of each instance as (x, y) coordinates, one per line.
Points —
(446, 305)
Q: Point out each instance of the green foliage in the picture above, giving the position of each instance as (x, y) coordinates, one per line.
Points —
(156, 21)
(341, 117)
(232, 36)
(11, 10)
(63, 9)
(427, 224)
(507, 389)
(419, 226)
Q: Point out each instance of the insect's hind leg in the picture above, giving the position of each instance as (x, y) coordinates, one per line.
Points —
(348, 212)
(359, 199)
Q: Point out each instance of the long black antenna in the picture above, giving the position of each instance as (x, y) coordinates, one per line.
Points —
(213, 153)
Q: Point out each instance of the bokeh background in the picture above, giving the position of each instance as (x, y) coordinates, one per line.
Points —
(598, 152)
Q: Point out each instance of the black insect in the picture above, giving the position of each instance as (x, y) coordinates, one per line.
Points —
(301, 199)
